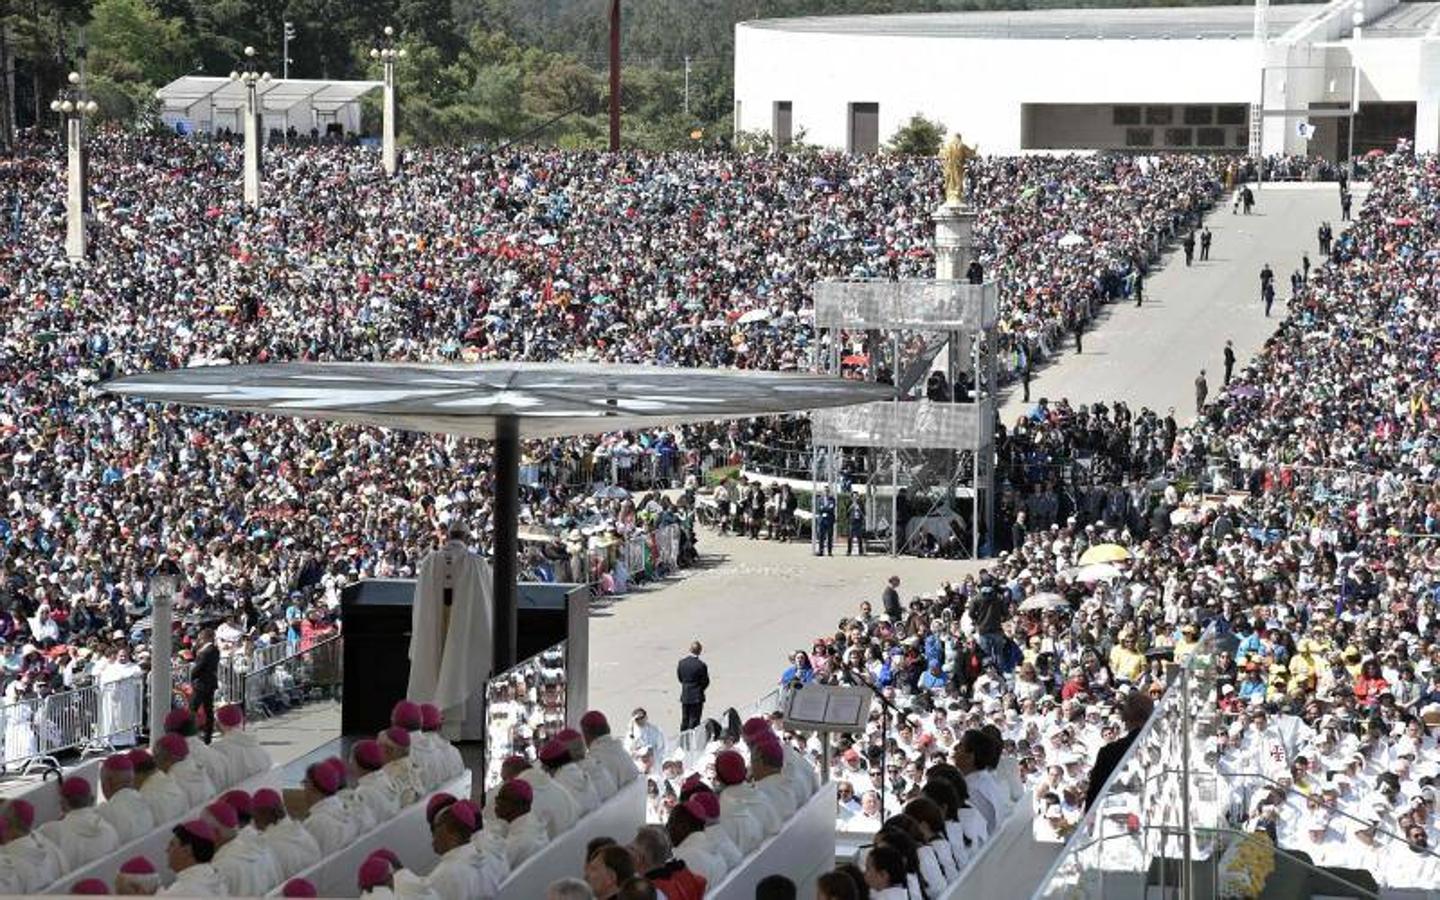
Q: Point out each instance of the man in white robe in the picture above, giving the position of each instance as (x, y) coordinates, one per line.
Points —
(686, 828)
(124, 808)
(241, 857)
(449, 764)
(172, 755)
(716, 836)
(463, 872)
(591, 773)
(644, 734)
(742, 815)
(189, 854)
(554, 805)
(29, 862)
(168, 800)
(327, 819)
(182, 722)
(451, 632)
(767, 760)
(121, 698)
(137, 877)
(604, 750)
(395, 741)
(520, 830)
(288, 840)
(238, 750)
(555, 757)
(82, 835)
(372, 785)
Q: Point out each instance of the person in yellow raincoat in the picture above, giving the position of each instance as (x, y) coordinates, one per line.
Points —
(1304, 667)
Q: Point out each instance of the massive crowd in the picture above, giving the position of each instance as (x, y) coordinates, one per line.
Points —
(1296, 520)
(472, 255)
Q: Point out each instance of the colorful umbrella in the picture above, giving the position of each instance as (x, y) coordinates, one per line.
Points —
(1105, 553)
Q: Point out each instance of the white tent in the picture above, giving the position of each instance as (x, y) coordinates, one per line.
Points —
(206, 104)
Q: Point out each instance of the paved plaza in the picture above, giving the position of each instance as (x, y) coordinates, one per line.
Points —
(1151, 355)
(752, 601)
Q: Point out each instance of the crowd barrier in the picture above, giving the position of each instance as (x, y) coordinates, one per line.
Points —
(645, 556)
(802, 850)
(408, 834)
(564, 856)
(152, 846)
(96, 718)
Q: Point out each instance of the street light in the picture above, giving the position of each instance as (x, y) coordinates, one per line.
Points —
(388, 53)
(250, 75)
(73, 104)
(162, 586)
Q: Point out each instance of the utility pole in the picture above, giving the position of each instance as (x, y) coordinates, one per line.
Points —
(687, 84)
(289, 35)
(614, 76)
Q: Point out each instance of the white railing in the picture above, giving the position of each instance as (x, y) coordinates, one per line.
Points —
(95, 717)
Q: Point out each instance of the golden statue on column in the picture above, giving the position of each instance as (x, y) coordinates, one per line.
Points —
(953, 158)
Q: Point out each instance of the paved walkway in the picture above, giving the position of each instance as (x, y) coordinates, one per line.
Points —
(1151, 355)
(749, 602)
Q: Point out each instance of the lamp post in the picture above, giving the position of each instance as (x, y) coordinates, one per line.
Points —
(162, 586)
(249, 74)
(388, 53)
(73, 105)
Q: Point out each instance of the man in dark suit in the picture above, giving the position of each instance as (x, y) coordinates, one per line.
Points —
(890, 599)
(204, 680)
(694, 678)
(1134, 712)
(1229, 360)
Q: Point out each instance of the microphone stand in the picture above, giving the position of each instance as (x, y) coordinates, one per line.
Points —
(886, 707)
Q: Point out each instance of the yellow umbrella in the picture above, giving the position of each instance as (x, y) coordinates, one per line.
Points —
(1105, 553)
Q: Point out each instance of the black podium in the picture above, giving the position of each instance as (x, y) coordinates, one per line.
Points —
(376, 614)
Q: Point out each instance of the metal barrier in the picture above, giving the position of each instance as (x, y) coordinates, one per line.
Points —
(94, 718)
(316, 672)
(692, 743)
(645, 556)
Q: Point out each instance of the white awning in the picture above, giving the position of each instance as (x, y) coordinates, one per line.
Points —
(276, 95)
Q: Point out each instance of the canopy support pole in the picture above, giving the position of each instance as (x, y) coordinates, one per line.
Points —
(506, 467)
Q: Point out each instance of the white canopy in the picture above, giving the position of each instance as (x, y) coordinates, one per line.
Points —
(276, 95)
(548, 399)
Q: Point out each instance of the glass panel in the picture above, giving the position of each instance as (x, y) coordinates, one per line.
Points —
(524, 708)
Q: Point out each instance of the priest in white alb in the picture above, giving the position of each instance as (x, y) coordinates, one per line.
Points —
(451, 643)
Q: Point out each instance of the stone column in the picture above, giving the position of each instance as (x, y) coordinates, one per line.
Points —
(387, 145)
(954, 241)
(252, 145)
(75, 188)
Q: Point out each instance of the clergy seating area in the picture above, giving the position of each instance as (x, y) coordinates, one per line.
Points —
(89, 839)
(407, 835)
(802, 850)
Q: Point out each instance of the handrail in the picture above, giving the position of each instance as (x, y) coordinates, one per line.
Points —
(1427, 851)
(1176, 692)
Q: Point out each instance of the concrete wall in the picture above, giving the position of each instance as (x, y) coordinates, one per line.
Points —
(973, 86)
(979, 86)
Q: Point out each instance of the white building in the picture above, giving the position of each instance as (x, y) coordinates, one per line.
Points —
(1179, 78)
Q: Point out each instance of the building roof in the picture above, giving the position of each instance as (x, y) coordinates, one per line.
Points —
(1179, 23)
(1406, 20)
(276, 95)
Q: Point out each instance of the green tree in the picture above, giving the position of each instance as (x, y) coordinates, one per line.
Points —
(917, 137)
(131, 42)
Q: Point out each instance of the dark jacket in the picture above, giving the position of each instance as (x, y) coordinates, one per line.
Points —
(205, 674)
(1105, 762)
(694, 678)
(890, 602)
(987, 610)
